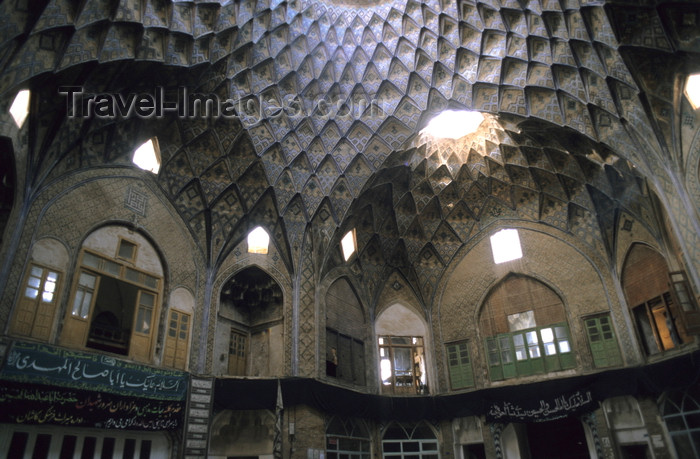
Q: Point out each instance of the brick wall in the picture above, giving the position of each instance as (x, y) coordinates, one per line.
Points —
(645, 275)
(519, 294)
(343, 310)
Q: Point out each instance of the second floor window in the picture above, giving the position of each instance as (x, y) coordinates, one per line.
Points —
(402, 365)
(532, 351)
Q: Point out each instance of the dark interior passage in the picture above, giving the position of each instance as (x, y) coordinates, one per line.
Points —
(558, 439)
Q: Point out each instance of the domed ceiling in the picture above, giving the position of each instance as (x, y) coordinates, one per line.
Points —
(330, 98)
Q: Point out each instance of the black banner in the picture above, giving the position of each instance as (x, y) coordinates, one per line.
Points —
(540, 401)
(24, 403)
(544, 409)
(43, 364)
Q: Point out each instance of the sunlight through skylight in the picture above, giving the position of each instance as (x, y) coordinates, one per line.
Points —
(692, 90)
(454, 124)
(505, 246)
(258, 241)
(348, 244)
(146, 156)
(20, 107)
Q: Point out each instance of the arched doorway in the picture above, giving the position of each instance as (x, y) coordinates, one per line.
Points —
(558, 439)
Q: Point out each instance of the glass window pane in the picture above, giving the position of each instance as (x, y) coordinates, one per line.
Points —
(391, 447)
(126, 250)
(85, 307)
(519, 340)
(693, 420)
(143, 320)
(550, 349)
(547, 335)
(34, 282)
(31, 293)
(91, 260)
(133, 275)
(87, 280)
(112, 267)
(52, 277)
(36, 271)
(564, 346)
(47, 297)
(674, 423)
(147, 299)
(49, 286)
(532, 337)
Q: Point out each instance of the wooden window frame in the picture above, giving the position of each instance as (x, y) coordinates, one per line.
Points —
(118, 256)
(37, 304)
(512, 357)
(100, 265)
(605, 350)
(458, 368)
(414, 386)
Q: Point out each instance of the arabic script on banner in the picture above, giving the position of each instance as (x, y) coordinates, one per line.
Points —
(541, 410)
(42, 364)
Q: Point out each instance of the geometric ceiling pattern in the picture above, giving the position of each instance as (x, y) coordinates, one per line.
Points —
(330, 96)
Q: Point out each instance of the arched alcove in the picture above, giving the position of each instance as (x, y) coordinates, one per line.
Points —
(401, 335)
(653, 305)
(345, 334)
(525, 326)
(251, 322)
(115, 304)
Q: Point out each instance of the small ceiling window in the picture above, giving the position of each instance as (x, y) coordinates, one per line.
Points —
(258, 241)
(147, 156)
(454, 124)
(505, 246)
(20, 107)
(348, 244)
(692, 90)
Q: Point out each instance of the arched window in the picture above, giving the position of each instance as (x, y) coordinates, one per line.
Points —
(116, 297)
(347, 438)
(251, 310)
(526, 331)
(345, 334)
(680, 412)
(653, 304)
(402, 363)
(409, 441)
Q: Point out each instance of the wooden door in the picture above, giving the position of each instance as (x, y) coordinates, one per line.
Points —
(77, 325)
(177, 340)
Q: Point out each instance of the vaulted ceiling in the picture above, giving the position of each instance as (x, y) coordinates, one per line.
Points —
(582, 97)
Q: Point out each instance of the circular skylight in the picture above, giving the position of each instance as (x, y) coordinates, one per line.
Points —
(454, 124)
